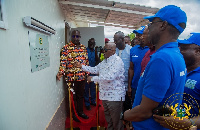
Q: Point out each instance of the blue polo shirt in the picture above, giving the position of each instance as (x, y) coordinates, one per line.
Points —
(91, 57)
(125, 58)
(136, 55)
(163, 77)
(192, 87)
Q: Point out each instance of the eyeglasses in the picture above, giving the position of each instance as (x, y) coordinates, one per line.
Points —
(76, 36)
(104, 49)
(153, 22)
(92, 42)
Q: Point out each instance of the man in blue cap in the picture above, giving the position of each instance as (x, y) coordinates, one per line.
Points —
(190, 50)
(136, 55)
(165, 74)
(139, 32)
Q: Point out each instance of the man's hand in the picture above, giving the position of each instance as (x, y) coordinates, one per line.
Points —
(89, 79)
(77, 65)
(193, 128)
(126, 122)
(173, 124)
(129, 92)
(164, 120)
(59, 75)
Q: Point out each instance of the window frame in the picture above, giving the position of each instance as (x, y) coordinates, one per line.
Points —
(3, 24)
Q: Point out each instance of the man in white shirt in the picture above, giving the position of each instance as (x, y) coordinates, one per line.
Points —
(111, 82)
(123, 51)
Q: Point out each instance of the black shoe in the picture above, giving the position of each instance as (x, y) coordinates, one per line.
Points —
(88, 108)
(75, 118)
(83, 116)
(94, 104)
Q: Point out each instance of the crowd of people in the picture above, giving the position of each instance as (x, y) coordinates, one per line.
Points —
(151, 81)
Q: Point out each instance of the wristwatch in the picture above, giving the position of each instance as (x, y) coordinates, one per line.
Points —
(122, 116)
(192, 123)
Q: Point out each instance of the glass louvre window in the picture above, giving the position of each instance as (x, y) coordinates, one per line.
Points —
(1, 19)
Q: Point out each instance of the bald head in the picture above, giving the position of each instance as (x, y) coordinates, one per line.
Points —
(120, 33)
(109, 49)
(75, 37)
(111, 45)
(119, 40)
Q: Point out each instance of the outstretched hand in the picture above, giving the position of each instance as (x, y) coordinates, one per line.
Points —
(77, 65)
(89, 79)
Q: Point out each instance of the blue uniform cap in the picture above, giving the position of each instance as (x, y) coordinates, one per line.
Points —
(172, 14)
(194, 39)
(140, 30)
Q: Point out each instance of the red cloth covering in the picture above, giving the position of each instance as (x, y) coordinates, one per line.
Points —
(82, 126)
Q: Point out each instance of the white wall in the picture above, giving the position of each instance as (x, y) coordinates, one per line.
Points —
(92, 32)
(29, 100)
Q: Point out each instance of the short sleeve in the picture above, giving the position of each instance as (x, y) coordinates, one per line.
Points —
(131, 53)
(157, 79)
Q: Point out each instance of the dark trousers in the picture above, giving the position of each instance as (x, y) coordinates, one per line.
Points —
(127, 103)
(78, 87)
(90, 87)
(133, 94)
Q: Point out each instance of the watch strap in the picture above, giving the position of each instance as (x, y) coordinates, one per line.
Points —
(192, 122)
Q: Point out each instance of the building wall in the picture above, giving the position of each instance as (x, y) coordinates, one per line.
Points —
(91, 32)
(29, 100)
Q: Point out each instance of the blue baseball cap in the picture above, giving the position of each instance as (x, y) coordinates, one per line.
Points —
(172, 14)
(194, 39)
(140, 30)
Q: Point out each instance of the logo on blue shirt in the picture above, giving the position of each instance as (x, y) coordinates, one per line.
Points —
(182, 106)
(135, 56)
(182, 73)
(190, 83)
